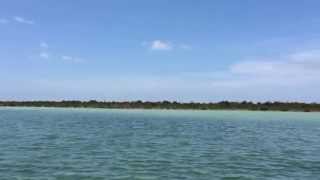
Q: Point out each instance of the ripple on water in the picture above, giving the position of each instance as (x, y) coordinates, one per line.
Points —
(119, 144)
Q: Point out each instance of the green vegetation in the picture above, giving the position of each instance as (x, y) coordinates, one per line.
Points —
(224, 105)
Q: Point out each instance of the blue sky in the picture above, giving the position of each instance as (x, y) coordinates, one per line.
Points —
(182, 50)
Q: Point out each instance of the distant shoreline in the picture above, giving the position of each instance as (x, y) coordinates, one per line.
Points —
(167, 105)
(141, 109)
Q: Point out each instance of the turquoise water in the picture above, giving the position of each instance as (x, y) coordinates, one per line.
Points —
(75, 144)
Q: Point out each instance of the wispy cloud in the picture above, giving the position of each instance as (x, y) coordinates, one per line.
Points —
(66, 58)
(23, 20)
(17, 19)
(44, 55)
(4, 21)
(165, 45)
(44, 50)
(289, 77)
(161, 45)
(44, 45)
(72, 59)
(295, 64)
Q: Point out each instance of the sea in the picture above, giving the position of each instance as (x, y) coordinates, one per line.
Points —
(123, 144)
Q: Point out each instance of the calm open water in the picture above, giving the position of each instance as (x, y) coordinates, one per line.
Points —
(75, 144)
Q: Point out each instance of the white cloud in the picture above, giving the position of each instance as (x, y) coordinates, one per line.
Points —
(165, 45)
(44, 55)
(44, 45)
(4, 21)
(296, 64)
(72, 59)
(67, 58)
(291, 77)
(283, 78)
(22, 20)
(161, 45)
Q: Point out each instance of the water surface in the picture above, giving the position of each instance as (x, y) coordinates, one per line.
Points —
(75, 144)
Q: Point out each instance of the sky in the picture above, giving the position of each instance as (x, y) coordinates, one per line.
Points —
(152, 50)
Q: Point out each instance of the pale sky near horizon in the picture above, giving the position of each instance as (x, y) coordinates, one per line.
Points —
(182, 50)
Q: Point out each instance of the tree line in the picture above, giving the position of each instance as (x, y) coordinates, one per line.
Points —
(223, 105)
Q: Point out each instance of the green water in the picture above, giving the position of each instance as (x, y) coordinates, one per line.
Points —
(75, 144)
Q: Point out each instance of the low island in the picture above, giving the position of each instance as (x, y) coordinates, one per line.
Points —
(223, 105)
